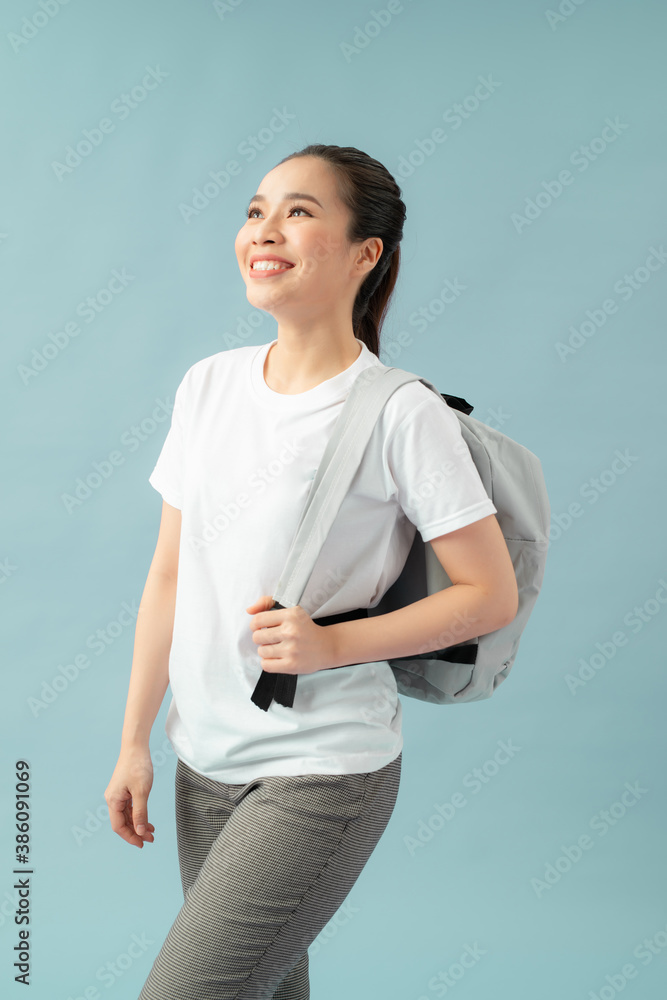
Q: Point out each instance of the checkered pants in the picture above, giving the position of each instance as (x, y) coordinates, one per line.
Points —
(264, 866)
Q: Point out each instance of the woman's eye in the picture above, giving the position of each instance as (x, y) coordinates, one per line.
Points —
(295, 208)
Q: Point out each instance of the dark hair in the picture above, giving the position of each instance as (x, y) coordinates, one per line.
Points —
(373, 197)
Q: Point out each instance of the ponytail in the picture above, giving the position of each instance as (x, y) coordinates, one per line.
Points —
(376, 209)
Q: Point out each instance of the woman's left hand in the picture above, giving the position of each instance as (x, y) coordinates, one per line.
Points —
(288, 640)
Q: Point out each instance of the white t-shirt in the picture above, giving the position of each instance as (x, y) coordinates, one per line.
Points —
(238, 461)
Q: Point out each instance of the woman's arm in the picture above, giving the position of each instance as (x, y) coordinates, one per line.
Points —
(128, 790)
(152, 639)
(483, 597)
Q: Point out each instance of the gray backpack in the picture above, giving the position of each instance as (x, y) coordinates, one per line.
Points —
(513, 478)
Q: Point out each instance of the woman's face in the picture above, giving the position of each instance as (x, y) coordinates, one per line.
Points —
(326, 271)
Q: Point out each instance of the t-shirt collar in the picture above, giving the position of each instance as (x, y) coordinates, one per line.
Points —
(328, 391)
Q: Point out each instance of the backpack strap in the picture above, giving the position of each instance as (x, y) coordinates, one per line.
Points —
(340, 461)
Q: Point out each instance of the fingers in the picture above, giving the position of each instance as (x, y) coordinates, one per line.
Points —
(122, 823)
(143, 829)
(128, 814)
(139, 814)
(263, 603)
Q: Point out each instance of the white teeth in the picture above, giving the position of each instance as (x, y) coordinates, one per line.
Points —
(269, 265)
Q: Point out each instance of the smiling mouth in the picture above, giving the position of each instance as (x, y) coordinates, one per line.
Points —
(272, 266)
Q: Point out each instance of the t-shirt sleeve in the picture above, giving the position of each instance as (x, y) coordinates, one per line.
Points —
(167, 476)
(436, 481)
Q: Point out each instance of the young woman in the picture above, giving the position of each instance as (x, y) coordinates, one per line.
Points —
(278, 809)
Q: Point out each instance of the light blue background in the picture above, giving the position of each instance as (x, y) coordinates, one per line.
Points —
(67, 574)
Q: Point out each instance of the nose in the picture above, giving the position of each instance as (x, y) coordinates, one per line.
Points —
(266, 230)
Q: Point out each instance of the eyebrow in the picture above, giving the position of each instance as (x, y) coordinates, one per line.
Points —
(290, 196)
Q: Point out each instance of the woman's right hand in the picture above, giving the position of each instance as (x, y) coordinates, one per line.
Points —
(127, 797)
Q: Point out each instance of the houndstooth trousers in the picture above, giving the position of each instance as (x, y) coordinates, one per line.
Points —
(264, 866)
